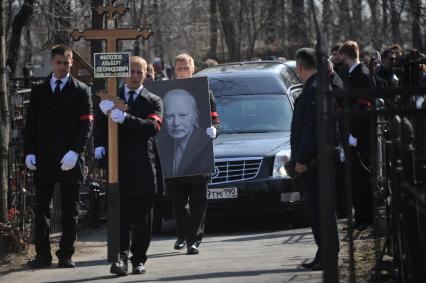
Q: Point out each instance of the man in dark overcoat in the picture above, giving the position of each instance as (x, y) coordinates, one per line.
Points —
(303, 141)
(59, 122)
(139, 167)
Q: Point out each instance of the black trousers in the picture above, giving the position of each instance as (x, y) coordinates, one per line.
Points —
(190, 224)
(136, 213)
(362, 192)
(310, 182)
(43, 211)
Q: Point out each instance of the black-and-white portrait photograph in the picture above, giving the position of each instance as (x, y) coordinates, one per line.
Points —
(185, 148)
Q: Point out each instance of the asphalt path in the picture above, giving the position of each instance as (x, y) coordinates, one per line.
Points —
(238, 249)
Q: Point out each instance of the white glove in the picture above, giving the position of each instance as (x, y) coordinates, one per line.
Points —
(106, 105)
(69, 160)
(99, 152)
(30, 161)
(211, 132)
(353, 141)
(118, 116)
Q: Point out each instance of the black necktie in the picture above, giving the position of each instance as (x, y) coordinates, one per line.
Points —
(130, 100)
(57, 90)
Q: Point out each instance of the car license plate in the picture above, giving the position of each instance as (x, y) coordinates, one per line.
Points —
(222, 193)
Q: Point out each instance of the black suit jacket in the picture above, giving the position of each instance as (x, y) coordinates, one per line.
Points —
(56, 124)
(194, 161)
(139, 166)
(303, 139)
(360, 78)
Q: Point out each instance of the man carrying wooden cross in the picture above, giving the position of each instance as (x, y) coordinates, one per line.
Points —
(140, 174)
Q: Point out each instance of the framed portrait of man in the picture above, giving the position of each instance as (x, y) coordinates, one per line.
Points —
(184, 146)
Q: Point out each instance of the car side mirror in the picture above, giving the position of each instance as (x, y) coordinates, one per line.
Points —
(295, 90)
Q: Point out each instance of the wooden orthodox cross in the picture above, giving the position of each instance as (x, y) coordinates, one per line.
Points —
(112, 34)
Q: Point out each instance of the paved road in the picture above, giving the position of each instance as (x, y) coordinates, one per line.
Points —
(233, 252)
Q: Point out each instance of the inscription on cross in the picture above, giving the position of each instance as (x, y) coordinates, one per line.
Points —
(111, 35)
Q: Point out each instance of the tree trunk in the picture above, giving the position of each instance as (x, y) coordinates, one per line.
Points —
(61, 24)
(4, 117)
(345, 20)
(228, 28)
(357, 20)
(282, 17)
(395, 19)
(416, 34)
(385, 22)
(96, 45)
(298, 30)
(271, 23)
(375, 23)
(158, 41)
(21, 20)
(326, 18)
(212, 53)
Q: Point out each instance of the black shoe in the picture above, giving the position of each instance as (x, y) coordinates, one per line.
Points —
(66, 262)
(39, 262)
(197, 243)
(138, 268)
(179, 244)
(193, 250)
(120, 268)
(313, 265)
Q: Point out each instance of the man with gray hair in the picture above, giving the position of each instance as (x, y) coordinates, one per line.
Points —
(190, 141)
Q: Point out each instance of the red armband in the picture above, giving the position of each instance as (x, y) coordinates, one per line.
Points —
(87, 117)
(157, 119)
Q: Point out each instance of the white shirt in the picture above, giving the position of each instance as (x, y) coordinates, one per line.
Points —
(137, 91)
(53, 80)
(353, 67)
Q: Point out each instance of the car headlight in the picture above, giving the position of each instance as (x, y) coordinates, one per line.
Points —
(280, 159)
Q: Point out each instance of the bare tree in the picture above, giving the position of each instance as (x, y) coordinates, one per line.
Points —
(20, 21)
(326, 17)
(96, 45)
(345, 19)
(158, 41)
(271, 23)
(374, 23)
(395, 20)
(357, 20)
(385, 21)
(416, 35)
(298, 29)
(228, 28)
(212, 53)
(4, 116)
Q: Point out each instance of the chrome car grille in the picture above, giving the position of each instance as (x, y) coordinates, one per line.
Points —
(235, 169)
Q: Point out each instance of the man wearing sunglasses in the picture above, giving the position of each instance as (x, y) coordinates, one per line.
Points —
(386, 71)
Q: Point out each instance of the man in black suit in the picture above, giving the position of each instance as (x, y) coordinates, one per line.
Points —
(192, 189)
(59, 122)
(190, 141)
(303, 141)
(140, 172)
(386, 71)
(359, 139)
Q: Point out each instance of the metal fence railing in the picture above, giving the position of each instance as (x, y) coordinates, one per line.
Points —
(396, 124)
